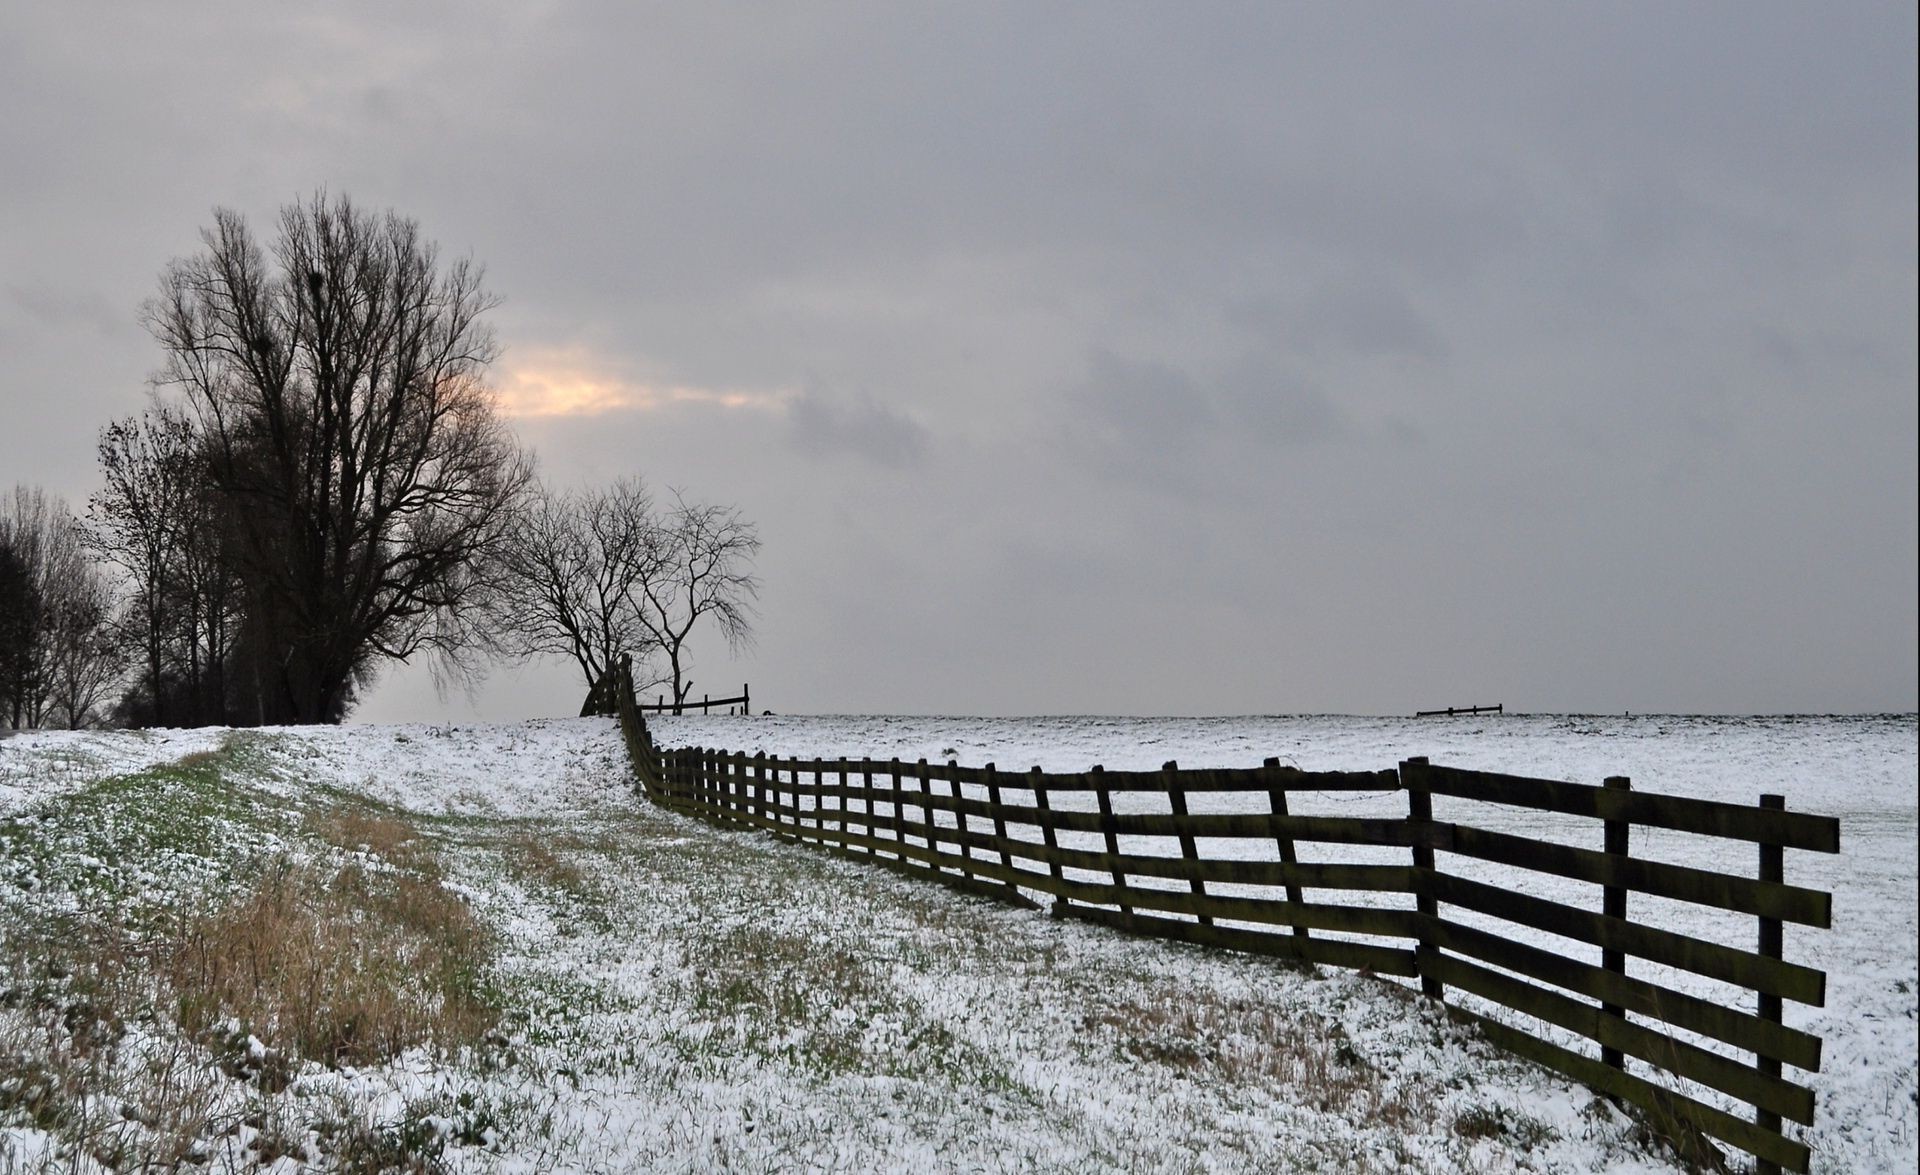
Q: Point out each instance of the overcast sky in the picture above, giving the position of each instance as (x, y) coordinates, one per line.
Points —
(1132, 358)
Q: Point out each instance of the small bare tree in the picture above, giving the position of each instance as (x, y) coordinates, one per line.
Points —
(701, 567)
(568, 577)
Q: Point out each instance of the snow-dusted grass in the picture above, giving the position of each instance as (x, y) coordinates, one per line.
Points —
(673, 997)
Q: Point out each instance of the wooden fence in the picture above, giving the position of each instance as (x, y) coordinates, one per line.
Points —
(600, 701)
(1013, 835)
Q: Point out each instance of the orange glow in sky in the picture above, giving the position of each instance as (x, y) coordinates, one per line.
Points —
(570, 383)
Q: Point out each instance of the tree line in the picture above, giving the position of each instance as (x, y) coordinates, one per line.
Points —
(323, 485)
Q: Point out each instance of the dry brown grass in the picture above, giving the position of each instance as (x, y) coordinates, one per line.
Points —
(358, 829)
(1240, 1041)
(351, 966)
(534, 855)
(125, 1043)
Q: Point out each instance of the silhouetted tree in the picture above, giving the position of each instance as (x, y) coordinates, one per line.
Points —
(63, 666)
(19, 623)
(337, 384)
(163, 523)
(700, 568)
(570, 575)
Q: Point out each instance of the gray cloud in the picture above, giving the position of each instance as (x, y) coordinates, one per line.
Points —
(1580, 313)
(825, 425)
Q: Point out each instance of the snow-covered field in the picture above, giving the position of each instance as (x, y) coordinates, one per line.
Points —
(680, 998)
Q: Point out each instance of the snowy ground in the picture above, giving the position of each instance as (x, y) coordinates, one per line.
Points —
(679, 998)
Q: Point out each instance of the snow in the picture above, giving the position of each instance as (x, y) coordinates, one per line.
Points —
(892, 1025)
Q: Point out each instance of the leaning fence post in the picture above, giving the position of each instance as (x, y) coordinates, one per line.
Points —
(1039, 785)
(897, 792)
(866, 790)
(1177, 801)
(1772, 946)
(960, 818)
(926, 812)
(1414, 777)
(1104, 796)
(999, 820)
(1277, 801)
(1613, 904)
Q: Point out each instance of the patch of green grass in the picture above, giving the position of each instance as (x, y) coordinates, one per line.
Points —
(135, 844)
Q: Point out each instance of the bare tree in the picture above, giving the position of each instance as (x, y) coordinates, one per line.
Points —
(568, 577)
(338, 387)
(58, 666)
(701, 567)
(160, 521)
(20, 610)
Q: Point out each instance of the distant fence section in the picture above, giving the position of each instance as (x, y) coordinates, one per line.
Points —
(1239, 879)
(600, 701)
(1451, 711)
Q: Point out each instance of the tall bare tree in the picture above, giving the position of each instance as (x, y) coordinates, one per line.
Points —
(337, 381)
(701, 568)
(59, 666)
(160, 521)
(569, 577)
(20, 609)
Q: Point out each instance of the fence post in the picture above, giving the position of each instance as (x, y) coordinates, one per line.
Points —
(926, 812)
(866, 790)
(899, 817)
(760, 786)
(1277, 802)
(1613, 904)
(999, 820)
(960, 819)
(846, 806)
(1039, 786)
(1105, 797)
(1413, 777)
(1177, 801)
(746, 701)
(1773, 869)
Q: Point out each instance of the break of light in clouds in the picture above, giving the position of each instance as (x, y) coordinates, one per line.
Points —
(571, 382)
(1196, 358)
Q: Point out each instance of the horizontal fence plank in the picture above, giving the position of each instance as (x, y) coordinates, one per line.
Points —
(1711, 1069)
(1221, 779)
(1793, 830)
(1742, 895)
(1382, 960)
(1744, 968)
(1673, 1112)
(1728, 1025)
(1392, 831)
(1371, 920)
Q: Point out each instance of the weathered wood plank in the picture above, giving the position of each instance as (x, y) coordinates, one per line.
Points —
(1722, 1023)
(1808, 907)
(1772, 976)
(1793, 830)
(1710, 1069)
(1674, 1113)
(1381, 960)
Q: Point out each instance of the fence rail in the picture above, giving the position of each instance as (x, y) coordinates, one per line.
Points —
(1451, 711)
(1025, 835)
(600, 701)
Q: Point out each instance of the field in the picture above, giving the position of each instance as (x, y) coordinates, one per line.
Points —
(616, 988)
